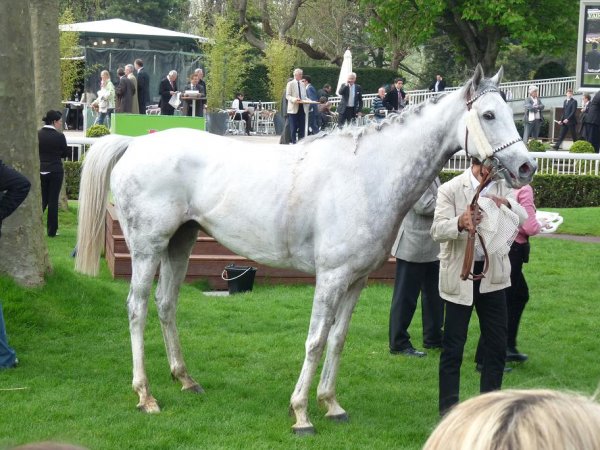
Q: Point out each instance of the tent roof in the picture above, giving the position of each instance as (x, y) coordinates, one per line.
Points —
(125, 28)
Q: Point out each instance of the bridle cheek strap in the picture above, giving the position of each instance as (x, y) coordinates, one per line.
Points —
(482, 145)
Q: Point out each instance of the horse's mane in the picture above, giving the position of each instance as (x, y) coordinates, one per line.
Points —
(357, 132)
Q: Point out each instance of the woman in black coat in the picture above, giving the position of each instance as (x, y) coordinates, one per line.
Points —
(53, 147)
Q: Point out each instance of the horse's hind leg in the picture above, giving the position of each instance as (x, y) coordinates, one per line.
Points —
(329, 290)
(335, 344)
(173, 268)
(143, 270)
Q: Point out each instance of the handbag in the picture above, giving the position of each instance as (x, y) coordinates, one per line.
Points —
(175, 100)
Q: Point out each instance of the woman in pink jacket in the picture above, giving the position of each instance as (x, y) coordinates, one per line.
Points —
(518, 292)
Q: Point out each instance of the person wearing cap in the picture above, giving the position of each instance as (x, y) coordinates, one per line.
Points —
(532, 120)
(486, 295)
(52, 147)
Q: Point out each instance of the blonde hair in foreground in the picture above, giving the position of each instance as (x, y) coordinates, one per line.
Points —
(520, 420)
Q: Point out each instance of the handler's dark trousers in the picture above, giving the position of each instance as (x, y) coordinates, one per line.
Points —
(411, 279)
(297, 125)
(491, 310)
(51, 184)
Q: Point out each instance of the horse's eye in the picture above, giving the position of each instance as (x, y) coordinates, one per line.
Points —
(488, 115)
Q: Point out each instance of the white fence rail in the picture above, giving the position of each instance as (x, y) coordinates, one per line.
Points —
(554, 163)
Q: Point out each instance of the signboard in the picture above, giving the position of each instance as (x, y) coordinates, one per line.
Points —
(588, 46)
(140, 124)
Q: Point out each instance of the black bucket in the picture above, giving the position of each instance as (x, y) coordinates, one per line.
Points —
(239, 278)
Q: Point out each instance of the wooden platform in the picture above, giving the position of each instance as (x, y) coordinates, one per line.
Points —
(209, 258)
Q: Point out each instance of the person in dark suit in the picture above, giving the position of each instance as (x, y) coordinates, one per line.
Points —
(14, 188)
(568, 121)
(313, 112)
(143, 86)
(167, 87)
(438, 85)
(396, 99)
(189, 104)
(52, 147)
(591, 122)
(325, 91)
(351, 102)
(202, 89)
(124, 93)
(585, 103)
(417, 271)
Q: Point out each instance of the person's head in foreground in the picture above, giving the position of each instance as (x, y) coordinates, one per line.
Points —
(520, 420)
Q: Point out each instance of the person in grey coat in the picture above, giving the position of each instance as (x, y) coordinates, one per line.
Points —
(417, 271)
(532, 120)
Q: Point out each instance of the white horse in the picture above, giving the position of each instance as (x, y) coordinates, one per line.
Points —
(330, 205)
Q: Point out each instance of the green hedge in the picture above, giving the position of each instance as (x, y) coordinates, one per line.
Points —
(559, 191)
(370, 79)
(72, 178)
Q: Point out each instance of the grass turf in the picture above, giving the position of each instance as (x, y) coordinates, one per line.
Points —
(73, 383)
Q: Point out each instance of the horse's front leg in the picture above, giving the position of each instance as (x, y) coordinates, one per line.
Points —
(173, 268)
(327, 294)
(335, 344)
(143, 270)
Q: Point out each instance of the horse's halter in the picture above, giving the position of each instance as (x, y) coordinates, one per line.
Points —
(483, 145)
(491, 168)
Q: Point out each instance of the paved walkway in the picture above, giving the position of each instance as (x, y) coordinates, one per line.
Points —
(571, 237)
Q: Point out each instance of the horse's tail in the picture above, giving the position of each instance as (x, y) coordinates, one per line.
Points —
(93, 196)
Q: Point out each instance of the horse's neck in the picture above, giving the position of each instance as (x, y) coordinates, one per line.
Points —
(413, 153)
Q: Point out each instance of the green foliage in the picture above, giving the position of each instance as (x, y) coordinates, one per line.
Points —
(279, 60)
(255, 85)
(69, 68)
(551, 69)
(536, 146)
(370, 79)
(97, 131)
(581, 146)
(72, 178)
(544, 128)
(227, 62)
(558, 191)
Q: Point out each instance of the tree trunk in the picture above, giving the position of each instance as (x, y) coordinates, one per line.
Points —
(46, 61)
(24, 255)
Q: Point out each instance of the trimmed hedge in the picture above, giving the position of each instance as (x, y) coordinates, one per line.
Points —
(559, 191)
(72, 178)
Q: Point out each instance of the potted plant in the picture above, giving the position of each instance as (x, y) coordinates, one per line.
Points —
(227, 64)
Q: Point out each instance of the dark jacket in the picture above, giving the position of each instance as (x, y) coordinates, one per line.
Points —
(14, 188)
(164, 90)
(124, 95)
(391, 100)
(592, 116)
(345, 92)
(143, 90)
(53, 147)
(441, 86)
(569, 110)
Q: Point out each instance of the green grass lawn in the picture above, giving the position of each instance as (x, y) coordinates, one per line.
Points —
(74, 380)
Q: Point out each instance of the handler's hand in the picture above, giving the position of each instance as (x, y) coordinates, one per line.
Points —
(463, 219)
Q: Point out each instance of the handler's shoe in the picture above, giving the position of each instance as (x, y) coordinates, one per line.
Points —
(409, 351)
(513, 355)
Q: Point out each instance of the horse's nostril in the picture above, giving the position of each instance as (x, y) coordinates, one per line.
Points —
(527, 170)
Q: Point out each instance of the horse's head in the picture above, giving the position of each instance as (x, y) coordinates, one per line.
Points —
(489, 133)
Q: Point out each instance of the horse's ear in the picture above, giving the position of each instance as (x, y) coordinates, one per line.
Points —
(496, 79)
(477, 77)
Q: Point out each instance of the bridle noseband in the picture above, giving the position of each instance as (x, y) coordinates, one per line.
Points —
(489, 154)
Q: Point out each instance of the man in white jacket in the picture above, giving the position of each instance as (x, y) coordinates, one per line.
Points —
(486, 295)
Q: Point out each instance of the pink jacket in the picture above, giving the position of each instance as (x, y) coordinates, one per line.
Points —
(531, 226)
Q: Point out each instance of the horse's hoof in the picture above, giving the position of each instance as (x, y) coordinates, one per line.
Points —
(340, 418)
(304, 431)
(149, 408)
(195, 389)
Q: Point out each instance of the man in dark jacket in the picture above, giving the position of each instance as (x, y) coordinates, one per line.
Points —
(124, 93)
(591, 122)
(167, 87)
(143, 86)
(396, 99)
(14, 188)
(568, 121)
(351, 102)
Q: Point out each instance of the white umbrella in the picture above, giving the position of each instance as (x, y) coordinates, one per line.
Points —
(345, 70)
